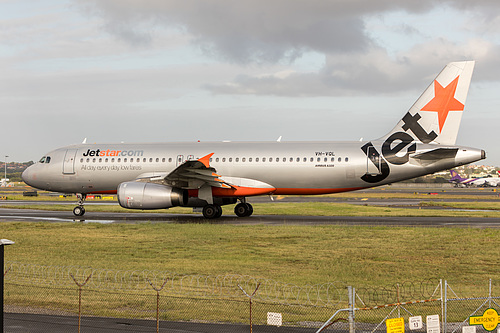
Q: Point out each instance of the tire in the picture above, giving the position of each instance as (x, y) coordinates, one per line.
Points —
(78, 211)
(211, 211)
(243, 209)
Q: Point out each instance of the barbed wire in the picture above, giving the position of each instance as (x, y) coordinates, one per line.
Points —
(399, 292)
(328, 294)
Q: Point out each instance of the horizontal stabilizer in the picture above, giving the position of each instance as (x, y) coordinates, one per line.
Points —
(436, 154)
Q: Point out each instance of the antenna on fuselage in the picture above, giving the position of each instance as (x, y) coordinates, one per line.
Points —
(279, 139)
(84, 141)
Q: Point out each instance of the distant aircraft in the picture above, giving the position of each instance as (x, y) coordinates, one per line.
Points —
(466, 182)
(210, 175)
(4, 182)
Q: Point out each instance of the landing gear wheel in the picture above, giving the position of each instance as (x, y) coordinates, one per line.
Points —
(219, 212)
(212, 211)
(243, 209)
(79, 211)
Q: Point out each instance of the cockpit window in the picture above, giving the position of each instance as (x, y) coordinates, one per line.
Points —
(42, 160)
(47, 159)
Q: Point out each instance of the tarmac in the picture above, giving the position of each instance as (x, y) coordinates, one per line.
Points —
(35, 323)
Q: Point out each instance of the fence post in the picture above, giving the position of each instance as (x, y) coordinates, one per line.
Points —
(80, 285)
(445, 316)
(250, 298)
(352, 300)
(157, 302)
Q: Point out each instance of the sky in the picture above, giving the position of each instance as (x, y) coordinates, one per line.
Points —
(213, 70)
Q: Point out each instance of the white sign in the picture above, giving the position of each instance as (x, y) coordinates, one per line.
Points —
(469, 329)
(415, 323)
(433, 324)
(274, 319)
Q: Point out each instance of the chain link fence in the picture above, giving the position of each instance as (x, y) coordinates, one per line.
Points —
(237, 303)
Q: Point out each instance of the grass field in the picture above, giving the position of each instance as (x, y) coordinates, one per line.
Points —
(292, 254)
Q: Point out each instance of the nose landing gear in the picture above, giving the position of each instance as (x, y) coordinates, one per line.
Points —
(80, 210)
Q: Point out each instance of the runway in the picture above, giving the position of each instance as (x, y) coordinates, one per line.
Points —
(363, 197)
(27, 215)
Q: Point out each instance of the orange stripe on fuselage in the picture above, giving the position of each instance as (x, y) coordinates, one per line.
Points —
(313, 191)
(250, 191)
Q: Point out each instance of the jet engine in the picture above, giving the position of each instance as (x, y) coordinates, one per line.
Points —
(138, 195)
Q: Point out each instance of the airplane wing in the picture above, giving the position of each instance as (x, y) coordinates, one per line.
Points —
(194, 174)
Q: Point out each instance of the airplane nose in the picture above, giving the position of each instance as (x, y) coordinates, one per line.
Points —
(28, 176)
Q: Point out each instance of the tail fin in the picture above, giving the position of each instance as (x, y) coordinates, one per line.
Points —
(435, 117)
(455, 175)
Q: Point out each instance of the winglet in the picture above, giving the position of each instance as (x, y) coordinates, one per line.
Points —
(206, 160)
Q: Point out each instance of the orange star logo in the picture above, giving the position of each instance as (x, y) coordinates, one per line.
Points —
(444, 101)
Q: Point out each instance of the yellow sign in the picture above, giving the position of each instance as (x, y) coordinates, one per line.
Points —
(395, 325)
(489, 320)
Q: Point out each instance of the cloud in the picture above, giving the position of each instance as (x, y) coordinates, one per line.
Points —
(371, 72)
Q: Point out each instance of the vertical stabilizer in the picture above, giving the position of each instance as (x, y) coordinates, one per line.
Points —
(435, 117)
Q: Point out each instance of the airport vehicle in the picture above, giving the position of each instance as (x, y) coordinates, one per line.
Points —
(460, 181)
(208, 175)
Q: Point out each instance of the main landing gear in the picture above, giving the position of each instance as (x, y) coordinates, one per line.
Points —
(80, 210)
(212, 211)
(243, 209)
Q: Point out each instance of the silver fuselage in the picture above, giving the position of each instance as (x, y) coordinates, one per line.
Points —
(289, 167)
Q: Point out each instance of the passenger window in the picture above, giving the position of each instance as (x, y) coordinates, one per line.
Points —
(150, 159)
(230, 159)
(100, 160)
(284, 159)
(340, 159)
(106, 160)
(223, 159)
(119, 160)
(81, 160)
(305, 159)
(312, 159)
(332, 159)
(157, 160)
(217, 159)
(88, 160)
(298, 159)
(211, 160)
(163, 160)
(169, 159)
(113, 160)
(326, 159)
(347, 159)
(93, 160)
(319, 159)
(250, 159)
(125, 160)
(243, 159)
(237, 159)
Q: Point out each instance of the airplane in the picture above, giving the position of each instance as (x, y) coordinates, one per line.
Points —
(209, 175)
(483, 181)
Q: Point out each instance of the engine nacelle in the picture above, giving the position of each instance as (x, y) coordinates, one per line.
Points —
(139, 195)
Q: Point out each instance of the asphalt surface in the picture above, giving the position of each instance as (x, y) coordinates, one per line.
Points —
(27, 215)
(35, 323)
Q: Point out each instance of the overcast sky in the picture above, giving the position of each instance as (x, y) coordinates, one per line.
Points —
(184, 70)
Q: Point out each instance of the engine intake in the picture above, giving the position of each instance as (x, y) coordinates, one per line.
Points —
(138, 195)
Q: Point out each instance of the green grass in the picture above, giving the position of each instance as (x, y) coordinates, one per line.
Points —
(292, 254)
